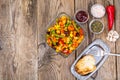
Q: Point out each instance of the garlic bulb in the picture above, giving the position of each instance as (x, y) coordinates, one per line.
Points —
(112, 36)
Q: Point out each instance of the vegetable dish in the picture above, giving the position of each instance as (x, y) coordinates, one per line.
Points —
(64, 35)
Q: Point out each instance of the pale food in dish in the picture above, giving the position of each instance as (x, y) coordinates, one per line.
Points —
(85, 65)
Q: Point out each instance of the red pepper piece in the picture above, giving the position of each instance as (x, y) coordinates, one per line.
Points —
(111, 15)
(61, 41)
(66, 52)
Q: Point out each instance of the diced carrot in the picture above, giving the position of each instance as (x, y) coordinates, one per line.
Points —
(74, 40)
(70, 51)
(61, 24)
(48, 40)
(80, 39)
(75, 45)
(64, 21)
(74, 33)
(54, 39)
(62, 30)
(70, 28)
(81, 32)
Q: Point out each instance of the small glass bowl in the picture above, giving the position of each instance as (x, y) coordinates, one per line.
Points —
(95, 10)
(83, 15)
(91, 24)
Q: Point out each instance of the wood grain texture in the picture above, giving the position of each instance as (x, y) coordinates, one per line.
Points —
(83, 4)
(117, 21)
(111, 75)
(91, 37)
(6, 42)
(23, 52)
(51, 65)
(26, 40)
(20, 41)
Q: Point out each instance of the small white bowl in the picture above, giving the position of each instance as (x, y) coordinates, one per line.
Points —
(95, 10)
(91, 24)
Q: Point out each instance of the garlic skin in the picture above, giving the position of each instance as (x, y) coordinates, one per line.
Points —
(112, 36)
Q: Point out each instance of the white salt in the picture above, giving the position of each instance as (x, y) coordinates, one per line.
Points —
(98, 10)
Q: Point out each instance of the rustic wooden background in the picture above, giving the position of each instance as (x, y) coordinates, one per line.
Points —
(22, 30)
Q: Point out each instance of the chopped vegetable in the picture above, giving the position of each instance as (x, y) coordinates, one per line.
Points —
(70, 28)
(65, 35)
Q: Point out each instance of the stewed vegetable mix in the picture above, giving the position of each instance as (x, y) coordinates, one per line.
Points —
(65, 35)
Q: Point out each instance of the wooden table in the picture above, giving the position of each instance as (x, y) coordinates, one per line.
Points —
(22, 30)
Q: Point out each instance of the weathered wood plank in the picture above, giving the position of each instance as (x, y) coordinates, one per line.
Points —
(24, 25)
(117, 24)
(18, 38)
(51, 66)
(22, 28)
(111, 75)
(4, 18)
(106, 73)
(6, 42)
(86, 5)
(83, 5)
